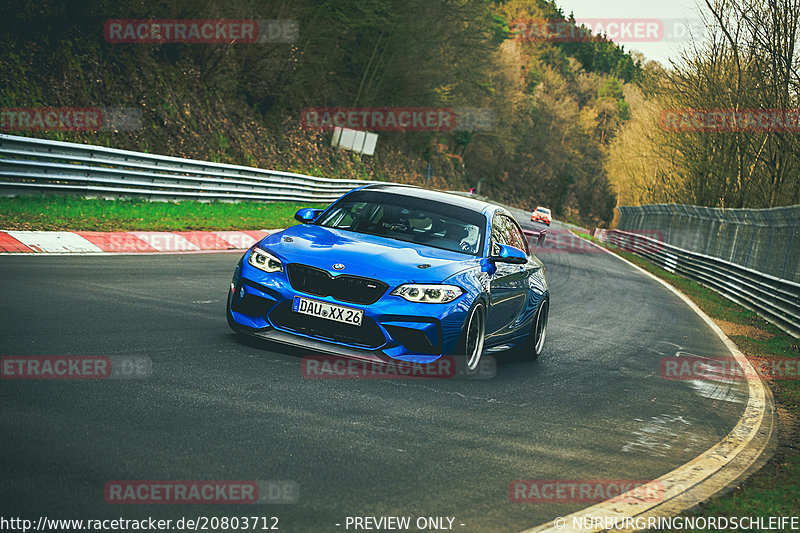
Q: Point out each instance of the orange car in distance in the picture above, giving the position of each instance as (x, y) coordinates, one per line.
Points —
(541, 214)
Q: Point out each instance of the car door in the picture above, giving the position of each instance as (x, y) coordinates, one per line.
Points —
(508, 284)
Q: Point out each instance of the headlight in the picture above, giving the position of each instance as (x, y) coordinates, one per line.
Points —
(429, 294)
(264, 261)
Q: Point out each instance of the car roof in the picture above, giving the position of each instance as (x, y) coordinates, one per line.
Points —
(428, 194)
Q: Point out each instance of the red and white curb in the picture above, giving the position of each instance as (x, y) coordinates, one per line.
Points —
(66, 242)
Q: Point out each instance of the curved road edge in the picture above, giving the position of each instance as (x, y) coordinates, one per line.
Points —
(743, 451)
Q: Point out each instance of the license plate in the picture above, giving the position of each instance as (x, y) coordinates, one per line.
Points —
(337, 313)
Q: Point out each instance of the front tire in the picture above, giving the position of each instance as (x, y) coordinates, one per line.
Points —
(539, 330)
(231, 323)
(474, 336)
(534, 345)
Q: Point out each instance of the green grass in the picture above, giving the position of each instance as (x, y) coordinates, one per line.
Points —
(75, 213)
(775, 489)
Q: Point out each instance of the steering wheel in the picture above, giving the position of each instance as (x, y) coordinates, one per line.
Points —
(402, 226)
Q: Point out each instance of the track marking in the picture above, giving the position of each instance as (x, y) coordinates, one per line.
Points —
(10, 244)
(54, 241)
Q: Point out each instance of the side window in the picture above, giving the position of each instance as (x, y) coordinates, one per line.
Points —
(344, 216)
(517, 237)
(505, 231)
(499, 233)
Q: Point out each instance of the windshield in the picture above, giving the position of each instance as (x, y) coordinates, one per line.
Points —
(408, 219)
(543, 210)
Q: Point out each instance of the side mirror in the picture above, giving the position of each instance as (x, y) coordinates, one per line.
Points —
(509, 254)
(307, 215)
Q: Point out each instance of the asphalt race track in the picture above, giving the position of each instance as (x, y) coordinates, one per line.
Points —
(217, 407)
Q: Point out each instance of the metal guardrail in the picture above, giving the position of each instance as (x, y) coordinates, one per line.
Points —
(777, 300)
(766, 240)
(28, 164)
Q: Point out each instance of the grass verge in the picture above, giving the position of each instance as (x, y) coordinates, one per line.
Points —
(71, 213)
(775, 489)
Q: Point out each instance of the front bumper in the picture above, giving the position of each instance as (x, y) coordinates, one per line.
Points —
(392, 328)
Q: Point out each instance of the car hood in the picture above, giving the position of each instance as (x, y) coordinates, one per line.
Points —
(389, 260)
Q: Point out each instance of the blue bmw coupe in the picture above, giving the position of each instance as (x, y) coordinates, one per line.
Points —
(393, 272)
